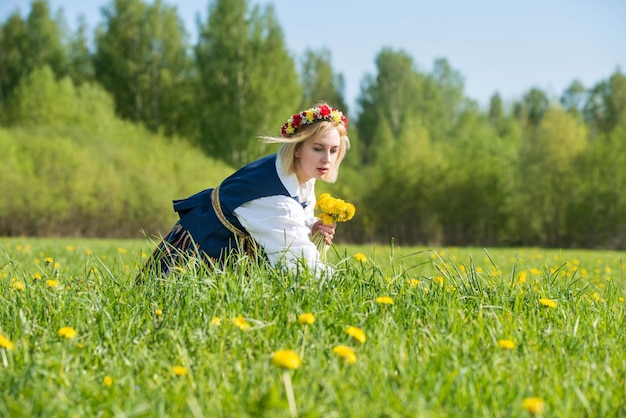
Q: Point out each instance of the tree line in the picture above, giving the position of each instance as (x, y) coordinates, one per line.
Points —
(428, 164)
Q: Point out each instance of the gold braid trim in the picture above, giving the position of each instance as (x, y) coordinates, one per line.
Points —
(244, 239)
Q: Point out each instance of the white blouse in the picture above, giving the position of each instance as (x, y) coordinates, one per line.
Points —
(282, 226)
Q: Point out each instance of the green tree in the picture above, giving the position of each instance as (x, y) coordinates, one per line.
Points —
(319, 81)
(80, 61)
(387, 101)
(574, 97)
(142, 59)
(44, 41)
(248, 81)
(546, 158)
(606, 105)
(533, 106)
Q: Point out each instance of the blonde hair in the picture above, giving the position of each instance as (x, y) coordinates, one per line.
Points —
(286, 153)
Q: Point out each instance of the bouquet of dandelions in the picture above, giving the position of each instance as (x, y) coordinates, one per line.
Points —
(332, 210)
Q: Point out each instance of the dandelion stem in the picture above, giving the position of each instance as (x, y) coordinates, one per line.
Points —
(290, 396)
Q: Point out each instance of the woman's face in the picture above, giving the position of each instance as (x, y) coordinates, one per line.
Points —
(316, 156)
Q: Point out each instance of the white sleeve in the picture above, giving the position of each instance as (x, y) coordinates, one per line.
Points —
(280, 225)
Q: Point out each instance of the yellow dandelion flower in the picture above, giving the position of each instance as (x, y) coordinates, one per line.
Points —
(48, 260)
(439, 279)
(158, 312)
(534, 405)
(360, 257)
(67, 332)
(18, 286)
(287, 359)
(6, 343)
(522, 277)
(621, 299)
(414, 282)
(345, 353)
(356, 333)
(241, 323)
(122, 250)
(507, 344)
(180, 370)
(69, 248)
(88, 251)
(306, 318)
(107, 381)
(384, 300)
(216, 321)
(37, 276)
(547, 302)
(52, 283)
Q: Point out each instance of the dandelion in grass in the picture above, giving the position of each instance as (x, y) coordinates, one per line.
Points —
(241, 323)
(52, 283)
(356, 333)
(107, 381)
(521, 279)
(37, 276)
(287, 359)
(549, 303)
(621, 299)
(122, 250)
(439, 280)
(306, 318)
(6, 343)
(48, 260)
(414, 282)
(158, 312)
(180, 370)
(69, 248)
(17, 285)
(88, 251)
(360, 257)
(506, 344)
(216, 322)
(534, 405)
(346, 353)
(67, 332)
(384, 300)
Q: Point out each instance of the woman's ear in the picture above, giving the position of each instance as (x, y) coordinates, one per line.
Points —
(296, 150)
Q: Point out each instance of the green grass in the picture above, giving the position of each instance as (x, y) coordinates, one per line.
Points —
(434, 352)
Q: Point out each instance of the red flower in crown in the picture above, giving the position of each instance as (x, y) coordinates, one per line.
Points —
(297, 120)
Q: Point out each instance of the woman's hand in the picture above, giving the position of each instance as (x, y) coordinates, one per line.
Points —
(327, 231)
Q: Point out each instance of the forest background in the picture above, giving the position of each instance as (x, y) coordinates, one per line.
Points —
(97, 139)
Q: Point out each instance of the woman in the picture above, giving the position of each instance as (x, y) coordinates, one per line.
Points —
(268, 203)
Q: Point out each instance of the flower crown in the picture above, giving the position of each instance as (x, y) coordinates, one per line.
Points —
(312, 115)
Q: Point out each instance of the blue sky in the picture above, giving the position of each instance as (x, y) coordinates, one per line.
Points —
(496, 45)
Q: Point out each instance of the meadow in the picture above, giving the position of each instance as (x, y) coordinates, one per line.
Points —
(400, 332)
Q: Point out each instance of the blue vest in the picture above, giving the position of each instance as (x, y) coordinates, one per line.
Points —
(255, 180)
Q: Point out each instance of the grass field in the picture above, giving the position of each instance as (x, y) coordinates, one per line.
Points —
(452, 332)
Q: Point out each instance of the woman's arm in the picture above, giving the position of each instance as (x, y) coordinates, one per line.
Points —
(281, 226)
